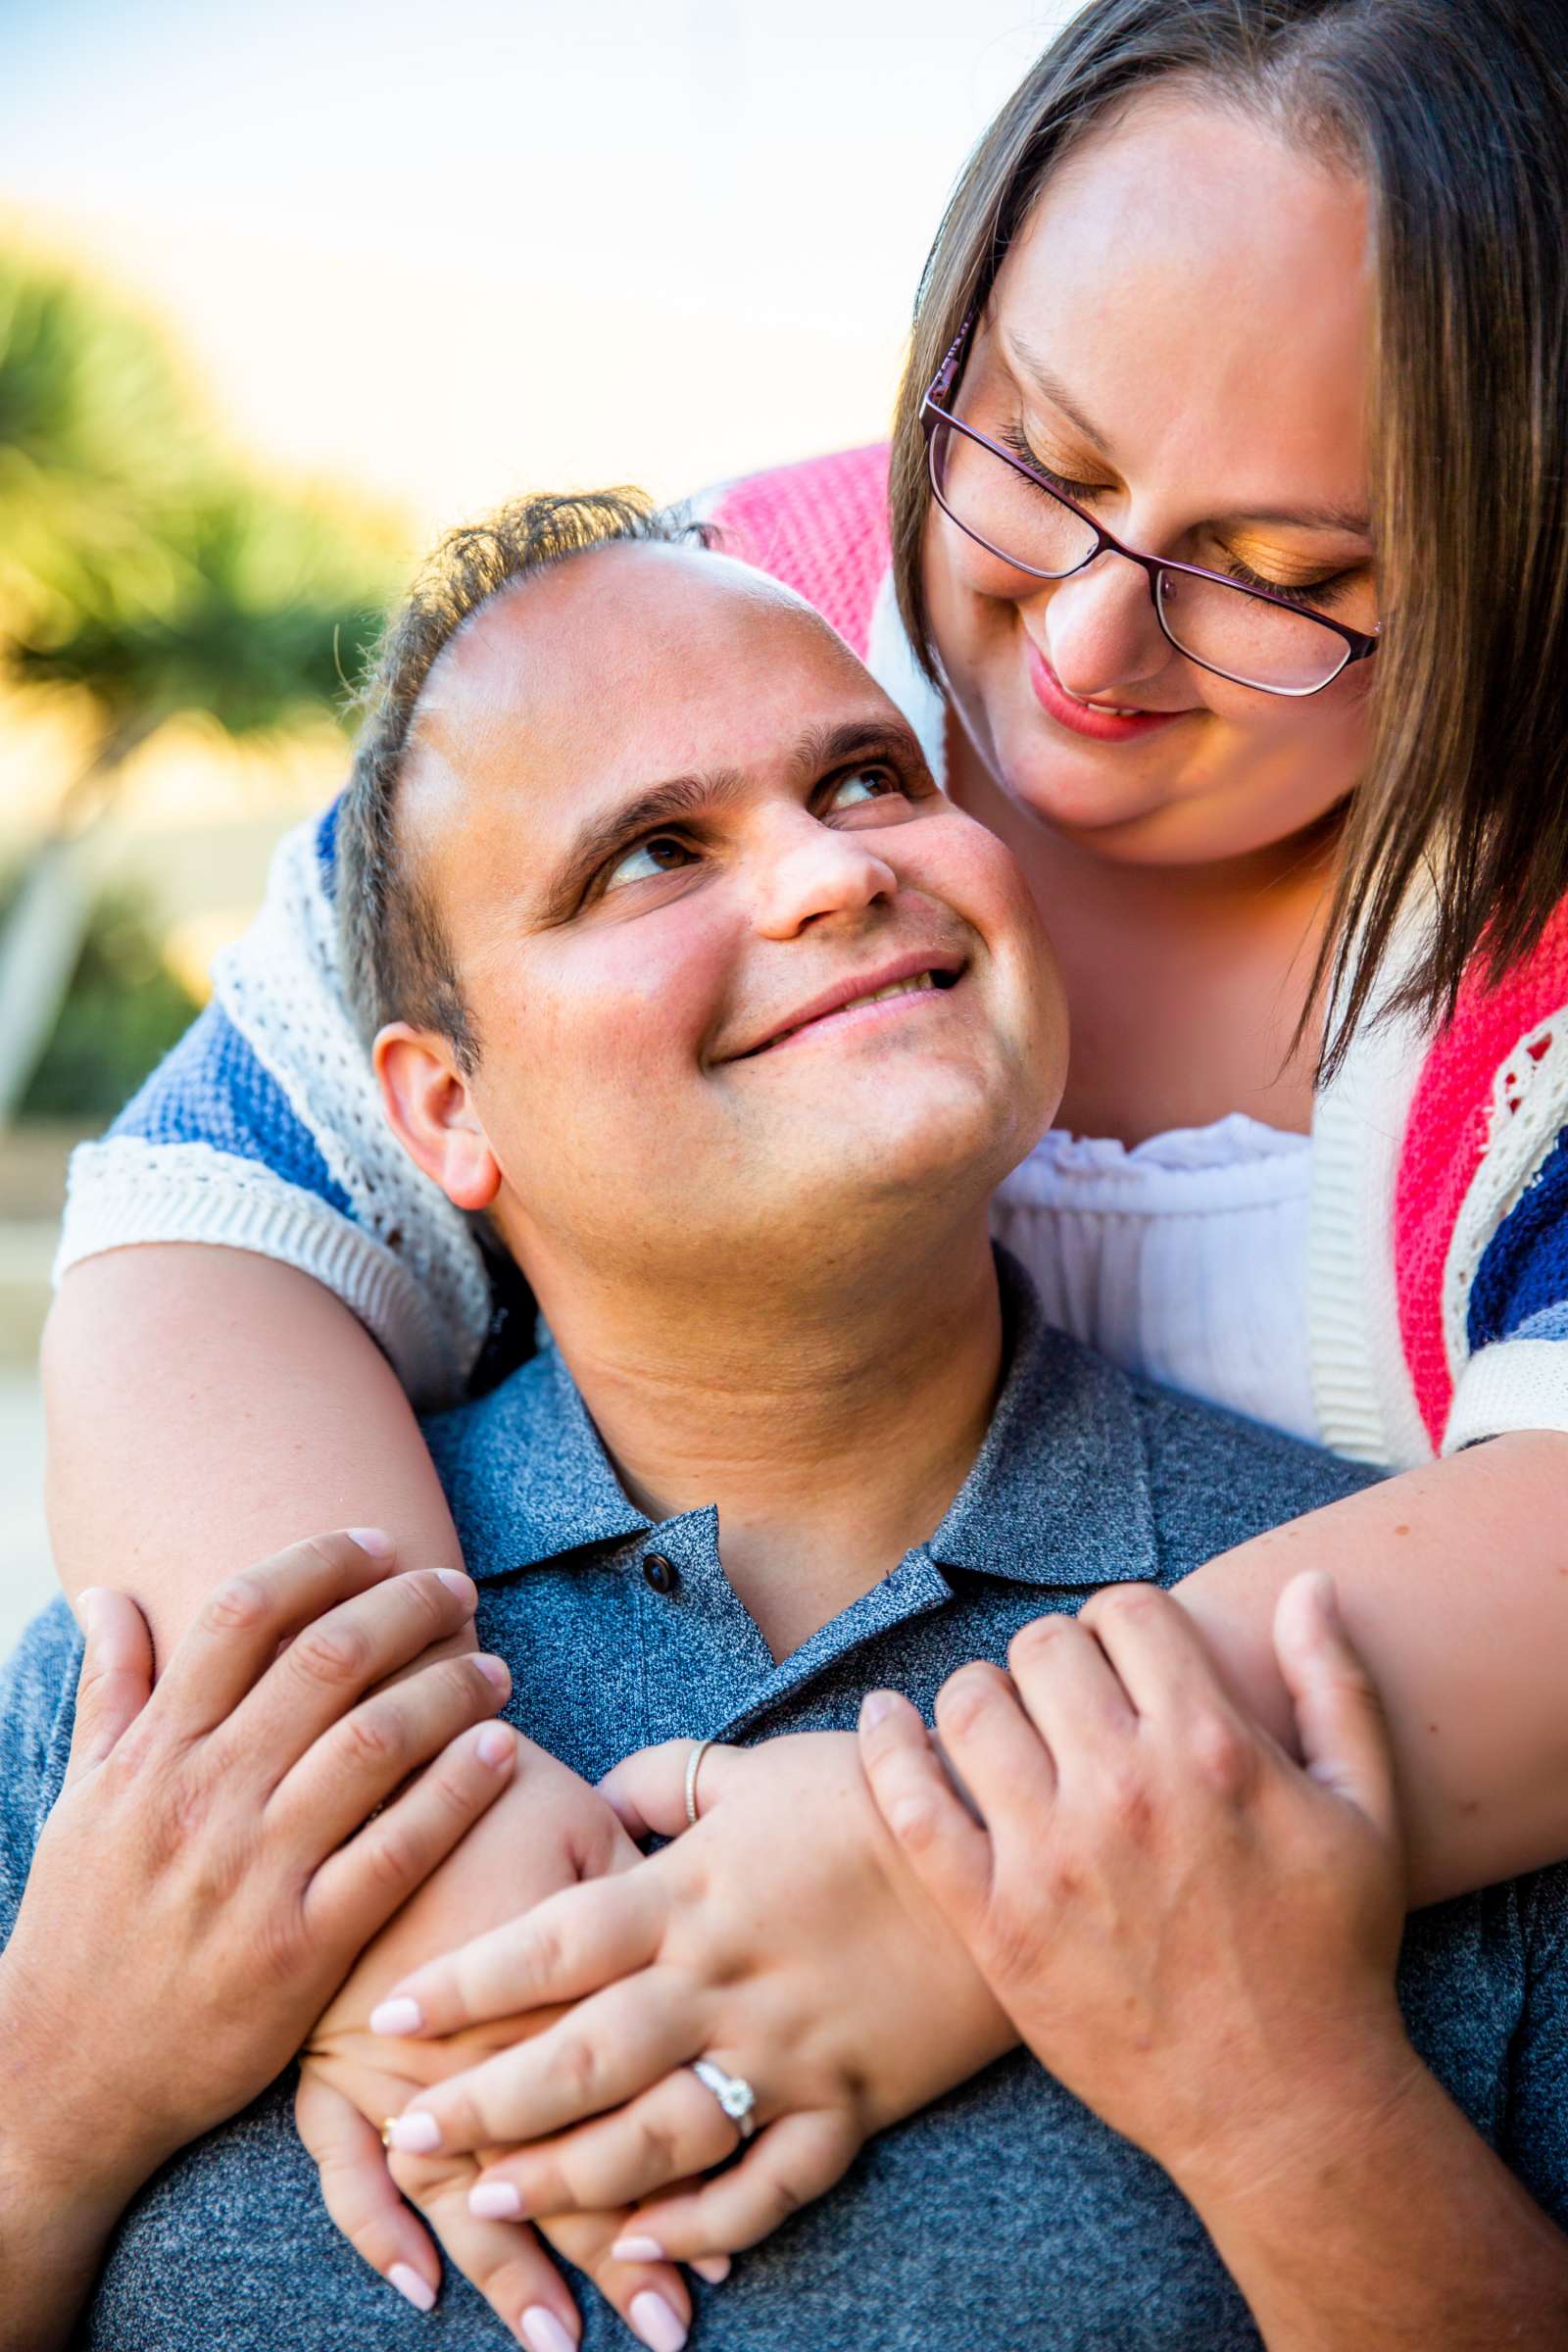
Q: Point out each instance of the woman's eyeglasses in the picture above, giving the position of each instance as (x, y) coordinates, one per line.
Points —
(1253, 636)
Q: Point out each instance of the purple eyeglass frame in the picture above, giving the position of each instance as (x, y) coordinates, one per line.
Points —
(1359, 645)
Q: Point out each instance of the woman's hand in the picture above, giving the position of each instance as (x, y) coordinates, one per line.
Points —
(782, 1937)
(212, 1868)
(1192, 1932)
(550, 1830)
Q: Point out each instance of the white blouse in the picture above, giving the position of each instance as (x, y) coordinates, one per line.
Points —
(1184, 1259)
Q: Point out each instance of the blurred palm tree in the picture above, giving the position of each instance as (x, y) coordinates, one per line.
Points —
(145, 575)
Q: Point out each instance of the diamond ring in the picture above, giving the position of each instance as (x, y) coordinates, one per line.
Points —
(732, 2092)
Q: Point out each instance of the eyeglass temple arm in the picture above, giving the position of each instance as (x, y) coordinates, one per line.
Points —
(946, 374)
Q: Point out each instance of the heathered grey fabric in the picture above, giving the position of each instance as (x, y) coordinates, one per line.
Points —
(1005, 2219)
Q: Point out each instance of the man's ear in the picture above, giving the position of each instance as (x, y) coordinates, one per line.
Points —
(430, 1111)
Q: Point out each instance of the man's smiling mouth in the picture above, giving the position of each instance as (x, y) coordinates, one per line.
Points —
(912, 976)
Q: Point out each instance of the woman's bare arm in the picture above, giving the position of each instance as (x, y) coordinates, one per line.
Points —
(208, 1406)
(1453, 1582)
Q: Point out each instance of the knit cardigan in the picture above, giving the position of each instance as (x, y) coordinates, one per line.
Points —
(1439, 1242)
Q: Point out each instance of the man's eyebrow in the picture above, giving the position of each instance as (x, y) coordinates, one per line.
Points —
(822, 748)
(1355, 521)
(612, 830)
(817, 751)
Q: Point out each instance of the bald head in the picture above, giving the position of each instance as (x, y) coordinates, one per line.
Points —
(394, 957)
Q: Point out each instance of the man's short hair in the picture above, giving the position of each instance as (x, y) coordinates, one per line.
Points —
(393, 950)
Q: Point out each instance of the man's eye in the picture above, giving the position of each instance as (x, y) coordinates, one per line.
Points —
(864, 784)
(660, 854)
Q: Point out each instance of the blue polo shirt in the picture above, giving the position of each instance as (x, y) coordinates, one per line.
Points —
(1006, 2218)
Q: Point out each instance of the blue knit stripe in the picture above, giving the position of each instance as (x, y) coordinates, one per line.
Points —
(327, 846)
(1523, 1269)
(213, 1090)
(1551, 1323)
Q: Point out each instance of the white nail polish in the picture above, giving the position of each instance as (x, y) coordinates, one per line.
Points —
(402, 2015)
(542, 2331)
(637, 2249)
(495, 2202)
(657, 2323)
(411, 2286)
(417, 2134)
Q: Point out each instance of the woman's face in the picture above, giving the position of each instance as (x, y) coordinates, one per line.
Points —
(1182, 337)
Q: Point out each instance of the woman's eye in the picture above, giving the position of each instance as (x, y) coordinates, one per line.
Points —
(1014, 440)
(864, 784)
(660, 854)
(1293, 592)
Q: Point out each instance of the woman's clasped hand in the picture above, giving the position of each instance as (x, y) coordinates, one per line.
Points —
(782, 1937)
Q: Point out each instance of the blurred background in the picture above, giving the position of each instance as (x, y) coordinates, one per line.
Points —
(285, 290)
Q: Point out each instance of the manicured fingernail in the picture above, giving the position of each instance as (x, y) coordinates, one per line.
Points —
(873, 1707)
(412, 2289)
(402, 2015)
(456, 1581)
(542, 2331)
(85, 1602)
(714, 2268)
(417, 2134)
(495, 1671)
(495, 1745)
(495, 2202)
(637, 2249)
(380, 1547)
(657, 2323)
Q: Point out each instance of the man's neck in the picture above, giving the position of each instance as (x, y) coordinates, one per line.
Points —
(831, 1422)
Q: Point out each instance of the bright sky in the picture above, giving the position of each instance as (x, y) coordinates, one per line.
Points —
(445, 252)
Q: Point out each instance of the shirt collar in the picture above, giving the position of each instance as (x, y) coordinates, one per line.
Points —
(1059, 1491)
(1058, 1494)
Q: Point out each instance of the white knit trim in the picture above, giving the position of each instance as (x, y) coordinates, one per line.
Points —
(1513, 1385)
(890, 657)
(279, 986)
(125, 1191)
(1528, 1111)
(1361, 1384)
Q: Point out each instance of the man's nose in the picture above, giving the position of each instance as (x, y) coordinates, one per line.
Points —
(805, 870)
(1099, 632)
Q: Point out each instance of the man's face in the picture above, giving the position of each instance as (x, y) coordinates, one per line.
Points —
(678, 839)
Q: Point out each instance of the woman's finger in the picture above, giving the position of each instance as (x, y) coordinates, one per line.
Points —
(567, 1945)
(647, 1788)
(928, 1821)
(787, 2166)
(334, 1661)
(503, 2260)
(357, 1889)
(115, 1678)
(236, 1638)
(360, 1762)
(651, 2296)
(604, 2052)
(360, 2194)
(662, 2137)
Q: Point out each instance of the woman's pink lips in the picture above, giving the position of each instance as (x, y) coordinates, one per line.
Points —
(1102, 726)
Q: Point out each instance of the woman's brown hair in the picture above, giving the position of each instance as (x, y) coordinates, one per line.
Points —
(1455, 112)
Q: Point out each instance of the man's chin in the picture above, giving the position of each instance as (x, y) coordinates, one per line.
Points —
(871, 1149)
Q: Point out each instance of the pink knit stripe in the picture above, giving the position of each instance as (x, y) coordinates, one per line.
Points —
(821, 527)
(1445, 1145)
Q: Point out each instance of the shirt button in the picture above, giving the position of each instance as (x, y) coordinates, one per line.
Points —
(660, 1574)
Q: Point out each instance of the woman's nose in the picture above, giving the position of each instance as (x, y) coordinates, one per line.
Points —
(805, 870)
(1099, 632)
